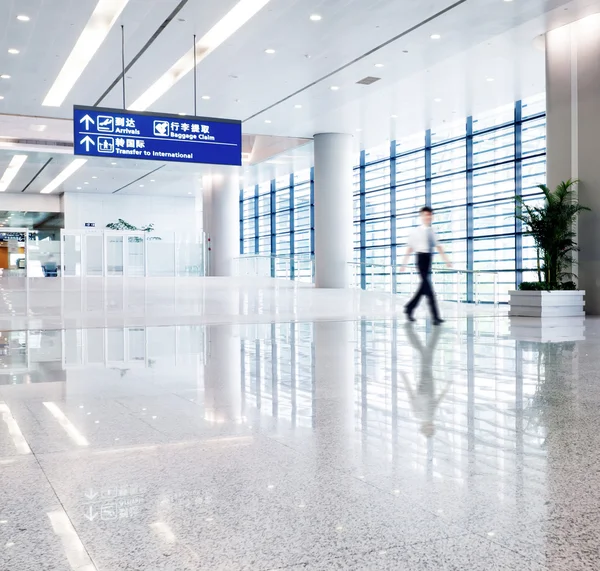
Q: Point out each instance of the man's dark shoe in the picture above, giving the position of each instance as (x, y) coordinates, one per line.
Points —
(438, 321)
(409, 315)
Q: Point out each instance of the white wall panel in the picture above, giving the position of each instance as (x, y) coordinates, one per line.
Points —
(168, 214)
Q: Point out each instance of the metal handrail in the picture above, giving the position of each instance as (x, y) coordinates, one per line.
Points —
(278, 265)
(282, 256)
(390, 272)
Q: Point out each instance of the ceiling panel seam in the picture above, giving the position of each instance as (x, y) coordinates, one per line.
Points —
(152, 39)
(361, 57)
(138, 179)
(37, 174)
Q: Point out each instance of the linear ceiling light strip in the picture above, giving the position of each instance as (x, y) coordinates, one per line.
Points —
(64, 175)
(103, 18)
(239, 15)
(11, 171)
(145, 47)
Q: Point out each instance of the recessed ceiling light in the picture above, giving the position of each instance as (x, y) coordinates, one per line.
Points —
(182, 114)
(1, 97)
(378, 65)
(4, 76)
(64, 175)
(152, 180)
(78, 188)
(316, 17)
(298, 106)
(239, 15)
(86, 182)
(438, 99)
(11, 171)
(267, 120)
(206, 97)
(435, 37)
(101, 21)
(490, 79)
(141, 186)
(394, 116)
(270, 51)
(94, 177)
(189, 193)
(23, 18)
(113, 164)
(13, 51)
(334, 88)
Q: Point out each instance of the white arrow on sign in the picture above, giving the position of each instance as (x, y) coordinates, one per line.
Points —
(91, 495)
(87, 120)
(87, 140)
(90, 514)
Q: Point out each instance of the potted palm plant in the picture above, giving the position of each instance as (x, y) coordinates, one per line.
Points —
(552, 226)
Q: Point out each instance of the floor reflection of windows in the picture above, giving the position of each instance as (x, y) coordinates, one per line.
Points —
(483, 380)
(277, 372)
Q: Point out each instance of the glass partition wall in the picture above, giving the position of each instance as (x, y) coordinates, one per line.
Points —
(470, 172)
(104, 253)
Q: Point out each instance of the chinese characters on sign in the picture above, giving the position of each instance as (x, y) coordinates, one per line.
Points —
(115, 133)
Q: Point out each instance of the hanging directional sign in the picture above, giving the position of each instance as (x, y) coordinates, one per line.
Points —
(120, 134)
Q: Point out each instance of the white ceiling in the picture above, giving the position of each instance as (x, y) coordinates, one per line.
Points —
(124, 177)
(481, 39)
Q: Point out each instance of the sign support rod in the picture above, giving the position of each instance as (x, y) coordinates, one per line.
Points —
(123, 62)
(195, 79)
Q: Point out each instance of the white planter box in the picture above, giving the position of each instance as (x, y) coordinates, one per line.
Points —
(547, 303)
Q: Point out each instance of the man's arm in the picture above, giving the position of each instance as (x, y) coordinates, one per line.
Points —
(409, 251)
(444, 256)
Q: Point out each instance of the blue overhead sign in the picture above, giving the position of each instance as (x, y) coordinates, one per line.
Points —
(119, 134)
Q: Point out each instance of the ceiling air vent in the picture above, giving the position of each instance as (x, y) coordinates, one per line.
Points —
(368, 80)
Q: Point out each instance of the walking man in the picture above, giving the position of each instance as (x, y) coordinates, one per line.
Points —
(423, 242)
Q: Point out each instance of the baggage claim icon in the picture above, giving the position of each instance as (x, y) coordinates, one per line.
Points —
(161, 128)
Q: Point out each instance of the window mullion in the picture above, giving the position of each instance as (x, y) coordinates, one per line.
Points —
(470, 222)
(363, 226)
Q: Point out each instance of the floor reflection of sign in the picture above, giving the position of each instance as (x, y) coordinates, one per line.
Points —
(111, 504)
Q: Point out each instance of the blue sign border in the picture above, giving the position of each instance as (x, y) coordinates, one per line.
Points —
(227, 151)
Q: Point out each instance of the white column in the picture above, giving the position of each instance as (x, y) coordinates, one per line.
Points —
(573, 118)
(222, 375)
(334, 391)
(333, 210)
(221, 215)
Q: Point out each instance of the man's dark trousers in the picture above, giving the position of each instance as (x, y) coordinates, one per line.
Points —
(426, 289)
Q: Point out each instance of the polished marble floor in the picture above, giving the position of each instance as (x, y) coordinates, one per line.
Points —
(316, 442)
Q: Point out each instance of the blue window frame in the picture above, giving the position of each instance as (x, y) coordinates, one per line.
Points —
(470, 172)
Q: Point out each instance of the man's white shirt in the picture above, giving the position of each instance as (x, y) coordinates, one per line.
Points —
(421, 239)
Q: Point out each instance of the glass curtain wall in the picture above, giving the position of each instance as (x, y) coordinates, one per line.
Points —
(276, 220)
(469, 172)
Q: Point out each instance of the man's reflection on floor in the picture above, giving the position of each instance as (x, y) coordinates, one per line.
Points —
(424, 400)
